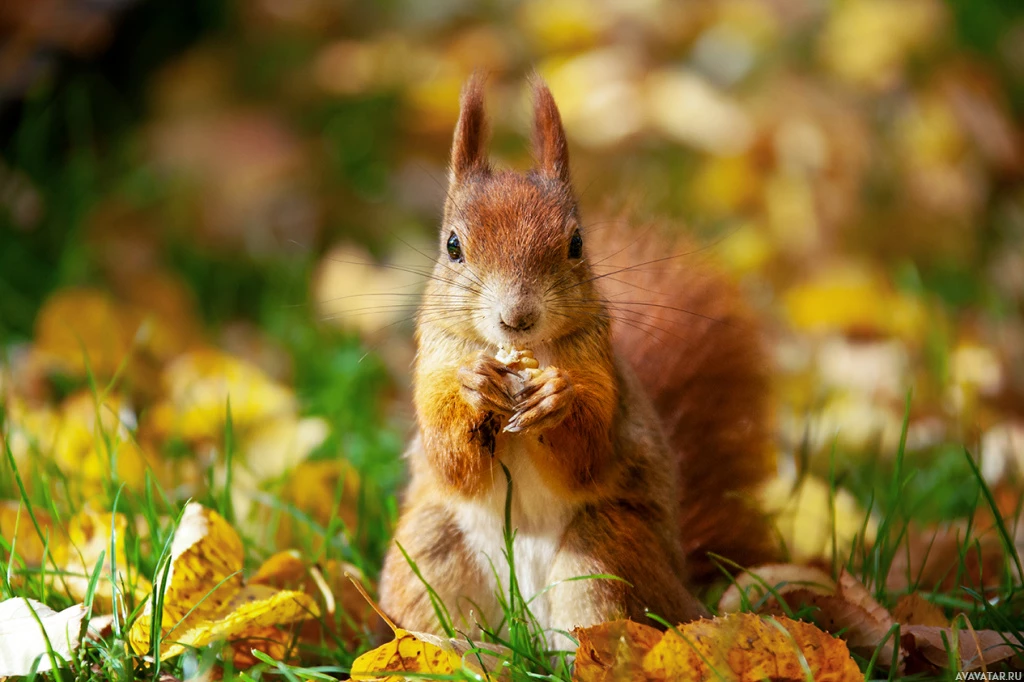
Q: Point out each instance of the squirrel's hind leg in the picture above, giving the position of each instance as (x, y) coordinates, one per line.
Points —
(432, 539)
(612, 539)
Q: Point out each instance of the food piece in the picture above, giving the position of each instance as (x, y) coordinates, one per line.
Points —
(519, 360)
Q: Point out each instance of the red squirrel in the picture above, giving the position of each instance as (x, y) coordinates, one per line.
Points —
(634, 425)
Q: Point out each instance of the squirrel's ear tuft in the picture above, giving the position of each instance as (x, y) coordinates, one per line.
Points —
(468, 154)
(549, 144)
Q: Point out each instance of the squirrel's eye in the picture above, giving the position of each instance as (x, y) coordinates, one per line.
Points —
(576, 245)
(455, 248)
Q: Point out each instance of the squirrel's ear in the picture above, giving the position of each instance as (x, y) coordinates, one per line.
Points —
(549, 144)
(468, 147)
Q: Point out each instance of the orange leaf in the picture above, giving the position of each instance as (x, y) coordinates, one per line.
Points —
(613, 651)
(746, 647)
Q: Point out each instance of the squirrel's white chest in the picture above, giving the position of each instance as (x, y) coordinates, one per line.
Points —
(539, 518)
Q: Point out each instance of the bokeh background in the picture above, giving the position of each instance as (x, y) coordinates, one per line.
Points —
(199, 193)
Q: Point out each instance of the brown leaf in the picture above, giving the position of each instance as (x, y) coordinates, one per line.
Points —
(932, 560)
(913, 609)
(754, 584)
(977, 648)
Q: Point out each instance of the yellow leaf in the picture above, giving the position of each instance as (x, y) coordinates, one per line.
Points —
(345, 613)
(851, 298)
(868, 42)
(424, 653)
(28, 432)
(409, 652)
(198, 386)
(92, 443)
(313, 488)
(802, 516)
(89, 541)
(254, 608)
(205, 598)
(561, 24)
(726, 184)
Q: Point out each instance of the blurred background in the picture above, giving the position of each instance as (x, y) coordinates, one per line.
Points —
(196, 193)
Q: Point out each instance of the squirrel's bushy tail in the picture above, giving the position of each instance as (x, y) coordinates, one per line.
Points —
(700, 355)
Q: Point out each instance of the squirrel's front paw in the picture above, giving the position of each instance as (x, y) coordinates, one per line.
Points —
(543, 403)
(483, 384)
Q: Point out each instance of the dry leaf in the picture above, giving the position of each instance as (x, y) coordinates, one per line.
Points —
(932, 560)
(977, 648)
(863, 622)
(198, 386)
(421, 652)
(913, 609)
(205, 598)
(613, 651)
(79, 323)
(90, 437)
(312, 488)
(845, 608)
(17, 530)
(343, 610)
(802, 517)
(746, 647)
(852, 297)
(757, 585)
(90, 541)
(22, 641)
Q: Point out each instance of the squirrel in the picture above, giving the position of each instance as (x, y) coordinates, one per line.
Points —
(635, 435)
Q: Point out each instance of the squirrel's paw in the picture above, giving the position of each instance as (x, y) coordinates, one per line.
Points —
(543, 403)
(483, 384)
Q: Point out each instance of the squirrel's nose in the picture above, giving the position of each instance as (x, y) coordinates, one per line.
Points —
(518, 320)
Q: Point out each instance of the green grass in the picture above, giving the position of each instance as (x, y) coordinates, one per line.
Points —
(519, 632)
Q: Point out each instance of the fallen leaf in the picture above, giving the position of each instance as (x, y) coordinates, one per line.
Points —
(755, 586)
(853, 298)
(313, 488)
(93, 444)
(198, 386)
(92, 537)
(425, 653)
(844, 607)
(23, 641)
(344, 612)
(977, 648)
(913, 609)
(943, 558)
(205, 598)
(747, 647)
(863, 622)
(613, 651)
(79, 328)
(20, 533)
(422, 652)
(802, 516)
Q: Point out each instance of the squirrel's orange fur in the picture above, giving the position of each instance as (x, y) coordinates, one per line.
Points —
(638, 443)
